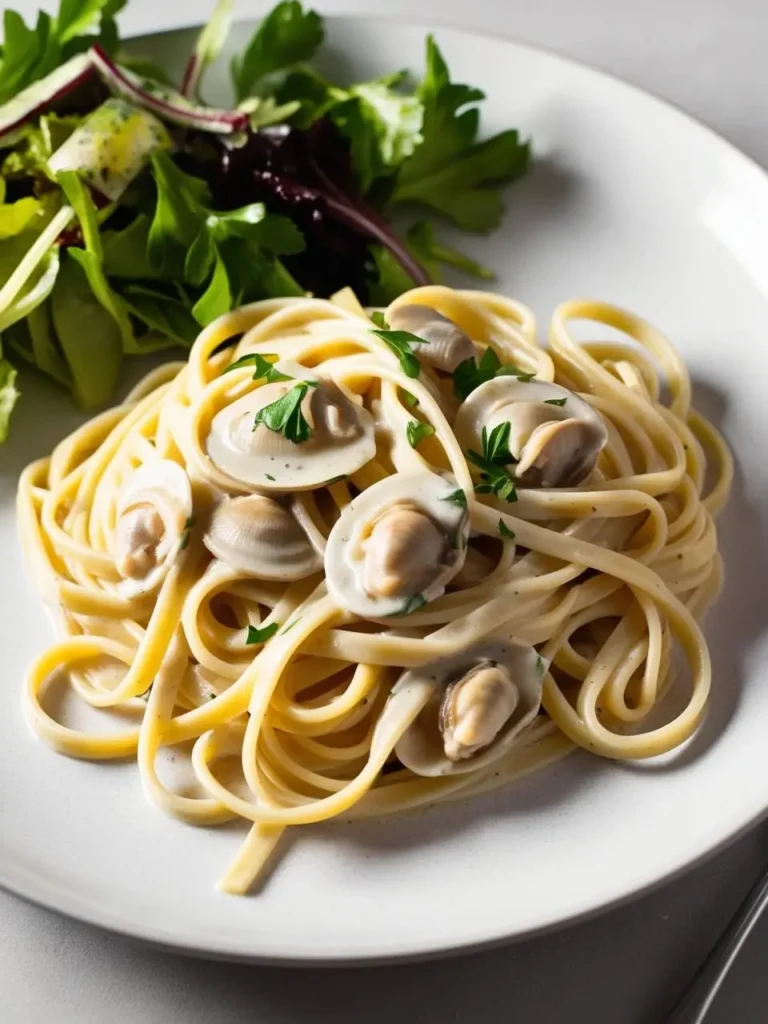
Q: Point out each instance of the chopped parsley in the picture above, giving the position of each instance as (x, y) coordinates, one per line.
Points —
(400, 342)
(457, 498)
(411, 605)
(417, 431)
(290, 626)
(505, 531)
(185, 535)
(496, 478)
(409, 399)
(269, 477)
(260, 636)
(285, 416)
(556, 401)
(378, 318)
(496, 444)
(262, 368)
(470, 374)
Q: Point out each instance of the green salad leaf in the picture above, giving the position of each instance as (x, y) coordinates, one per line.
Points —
(434, 255)
(287, 36)
(230, 254)
(8, 394)
(168, 316)
(91, 258)
(29, 54)
(89, 336)
(382, 123)
(451, 172)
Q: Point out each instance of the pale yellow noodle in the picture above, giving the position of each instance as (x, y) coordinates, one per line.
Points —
(605, 579)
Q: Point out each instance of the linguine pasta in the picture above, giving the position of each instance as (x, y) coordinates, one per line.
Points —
(607, 579)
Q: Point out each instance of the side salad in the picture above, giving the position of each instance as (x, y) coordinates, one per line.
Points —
(132, 213)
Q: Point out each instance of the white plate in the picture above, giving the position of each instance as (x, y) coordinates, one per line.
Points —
(629, 201)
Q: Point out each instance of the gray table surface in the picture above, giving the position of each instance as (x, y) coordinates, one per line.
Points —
(624, 967)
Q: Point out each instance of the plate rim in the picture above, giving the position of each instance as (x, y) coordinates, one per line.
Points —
(410, 952)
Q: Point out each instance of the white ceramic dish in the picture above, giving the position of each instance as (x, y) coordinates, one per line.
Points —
(629, 201)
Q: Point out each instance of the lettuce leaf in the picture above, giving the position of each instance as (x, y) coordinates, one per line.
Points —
(91, 258)
(8, 395)
(382, 124)
(89, 336)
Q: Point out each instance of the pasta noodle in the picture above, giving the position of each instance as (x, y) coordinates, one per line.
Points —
(606, 579)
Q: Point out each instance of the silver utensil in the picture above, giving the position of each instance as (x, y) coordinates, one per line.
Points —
(699, 995)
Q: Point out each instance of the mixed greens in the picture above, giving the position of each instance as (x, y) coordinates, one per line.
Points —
(132, 213)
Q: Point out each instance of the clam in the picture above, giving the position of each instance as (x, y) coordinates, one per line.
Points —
(397, 545)
(555, 437)
(478, 706)
(335, 435)
(260, 536)
(154, 507)
(445, 344)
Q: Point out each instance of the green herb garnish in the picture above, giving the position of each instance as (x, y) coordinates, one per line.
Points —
(185, 535)
(378, 318)
(260, 636)
(505, 531)
(555, 401)
(400, 342)
(470, 374)
(417, 431)
(457, 498)
(495, 479)
(290, 626)
(285, 416)
(409, 399)
(262, 368)
(411, 605)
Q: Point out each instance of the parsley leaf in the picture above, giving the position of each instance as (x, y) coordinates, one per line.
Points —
(505, 531)
(262, 368)
(260, 636)
(496, 445)
(400, 342)
(285, 416)
(555, 401)
(417, 431)
(457, 498)
(379, 319)
(450, 171)
(409, 399)
(287, 36)
(185, 535)
(470, 374)
(495, 478)
(411, 605)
